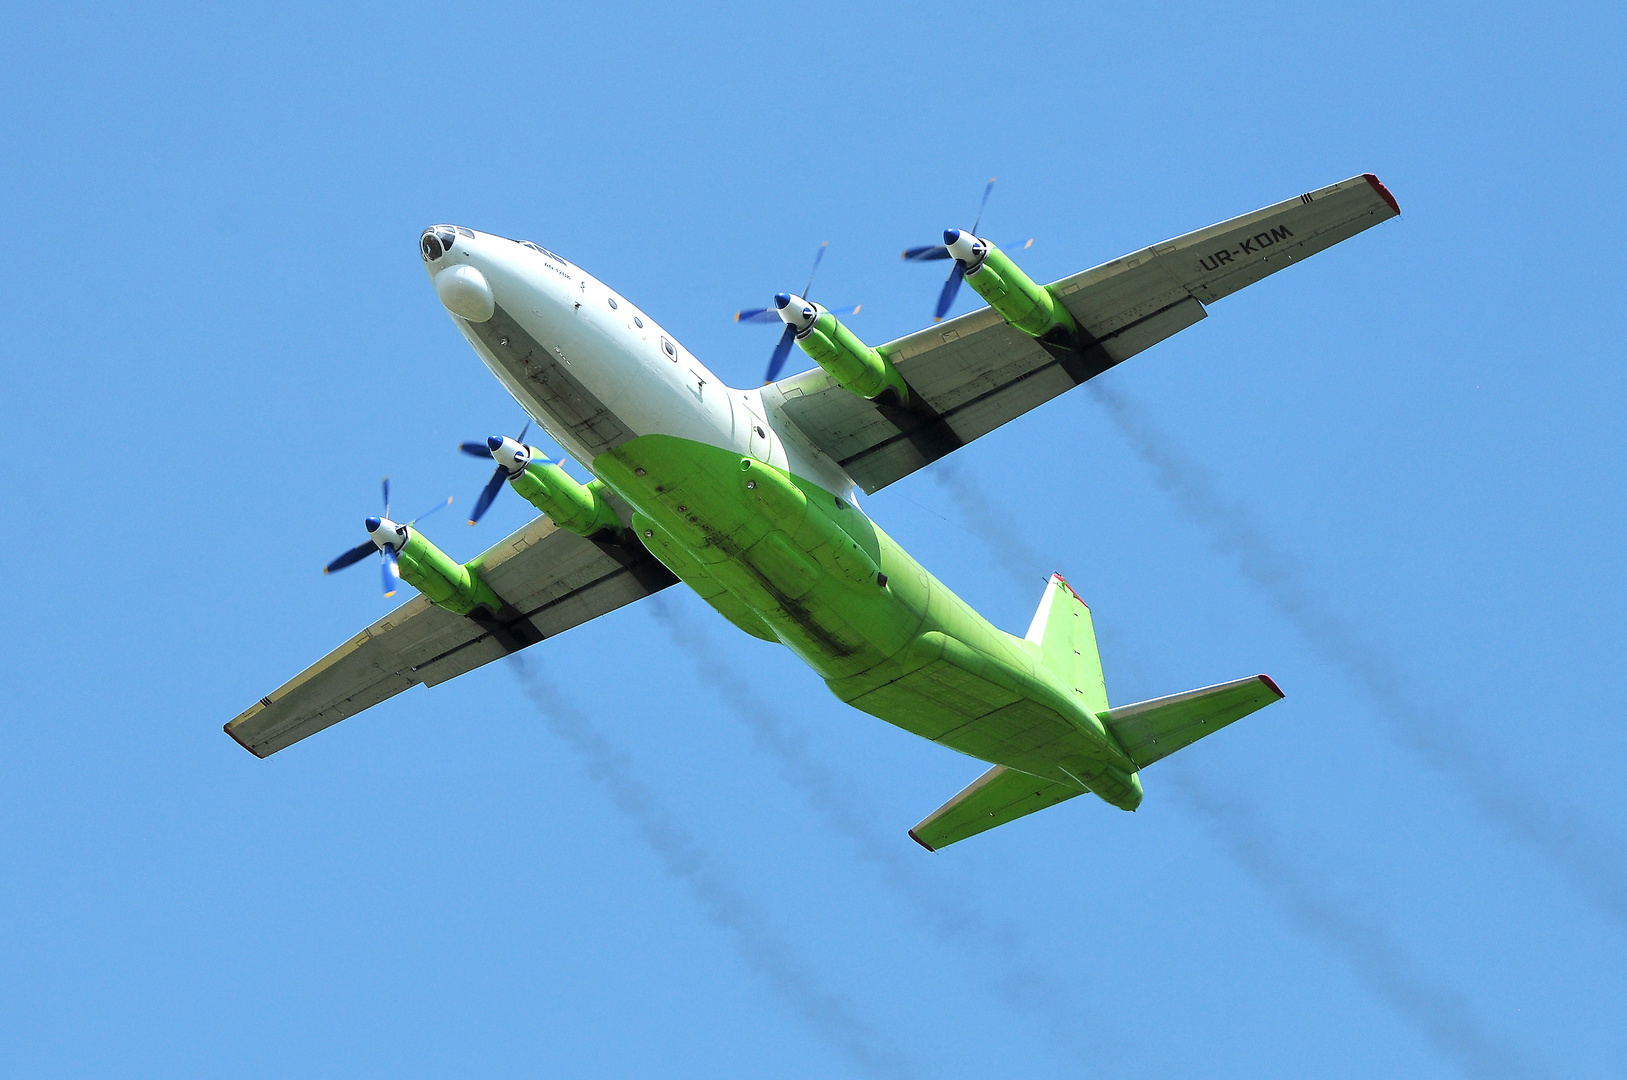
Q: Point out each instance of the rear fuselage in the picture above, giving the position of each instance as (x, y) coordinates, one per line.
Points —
(753, 517)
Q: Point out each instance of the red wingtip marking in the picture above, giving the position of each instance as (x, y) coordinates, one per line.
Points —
(1384, 191)
(227, 728)
(1269, 681)
(923, 843)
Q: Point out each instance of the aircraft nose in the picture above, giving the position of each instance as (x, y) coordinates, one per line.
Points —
(437, 241)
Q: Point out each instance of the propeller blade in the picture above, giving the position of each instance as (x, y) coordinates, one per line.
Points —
(351, 557)
(475, 449)
(983, 204)
(929, 253)
(757, 315)
(488, 493)
(950, 288)
(823, 244)
(431, 510)
(520, 438)
(854, 310)
(392, 572)
(781, 351)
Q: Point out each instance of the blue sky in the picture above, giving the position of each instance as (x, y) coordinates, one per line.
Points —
(1392, 480)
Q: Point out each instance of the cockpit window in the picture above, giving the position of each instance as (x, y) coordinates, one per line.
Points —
(465, 233)
(438, 240)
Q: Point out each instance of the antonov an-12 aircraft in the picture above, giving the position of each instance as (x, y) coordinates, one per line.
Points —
(747, 497)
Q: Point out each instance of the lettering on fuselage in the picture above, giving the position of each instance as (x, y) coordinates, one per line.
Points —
(1250, 245)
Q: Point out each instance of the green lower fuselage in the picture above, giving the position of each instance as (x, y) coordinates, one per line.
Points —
(760, 525)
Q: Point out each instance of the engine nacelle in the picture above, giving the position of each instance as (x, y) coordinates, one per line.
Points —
(1022, 302)
(577, 508)
(445, 582)
(853, 364)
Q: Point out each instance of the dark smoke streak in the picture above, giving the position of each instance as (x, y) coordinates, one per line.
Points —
(1011, 552)
(1442, 1017)
(1033, 993)
(686, 861)
(1504, 799)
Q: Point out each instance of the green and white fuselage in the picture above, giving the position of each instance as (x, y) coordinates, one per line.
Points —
(748, 513)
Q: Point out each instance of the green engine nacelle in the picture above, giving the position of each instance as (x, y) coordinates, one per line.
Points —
(445, 582)
(855, 366)
(1022, 302)
(577, 508)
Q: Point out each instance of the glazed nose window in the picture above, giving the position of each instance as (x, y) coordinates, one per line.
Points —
(432, 247)
(446, 236)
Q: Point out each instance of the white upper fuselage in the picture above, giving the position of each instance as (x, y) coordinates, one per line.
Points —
(592, 368)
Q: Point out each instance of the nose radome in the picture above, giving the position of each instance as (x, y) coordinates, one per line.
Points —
(465, 292)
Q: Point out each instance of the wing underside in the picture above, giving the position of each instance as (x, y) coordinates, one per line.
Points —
(976, 372)
(550, 579)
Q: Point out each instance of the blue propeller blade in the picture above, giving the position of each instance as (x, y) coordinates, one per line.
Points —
(487, 494)
(929, 253)
(431, 510)
(475, 449)
(823, 244)
(392, 572)
(351, 557)
(757, 315)
(386, 496)
(950, 288)
(781, 351)
(984, 204)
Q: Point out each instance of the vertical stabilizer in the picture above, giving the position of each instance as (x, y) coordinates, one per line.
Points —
(1067, 641)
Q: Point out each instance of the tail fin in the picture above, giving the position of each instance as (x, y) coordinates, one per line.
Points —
(1067, 642)
(1146, 731)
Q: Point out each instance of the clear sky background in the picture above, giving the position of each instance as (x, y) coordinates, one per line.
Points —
(1390, 477)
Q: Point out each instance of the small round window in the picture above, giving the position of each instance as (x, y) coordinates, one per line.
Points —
(613, 304)
(672, 353)
(638, 322)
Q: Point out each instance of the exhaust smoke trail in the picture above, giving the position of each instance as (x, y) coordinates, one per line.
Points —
(1503, 799)
(687, 861)
(1035, 994)
(1014, 555)
(1443, 1017)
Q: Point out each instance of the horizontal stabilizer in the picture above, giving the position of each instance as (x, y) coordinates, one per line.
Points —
(1150, 730)
(998, 796)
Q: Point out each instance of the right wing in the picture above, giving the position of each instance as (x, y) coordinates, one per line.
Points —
(550, 579)
(976, 372)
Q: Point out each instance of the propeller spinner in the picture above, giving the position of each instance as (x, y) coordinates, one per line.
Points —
(386, 537)
(782, 348)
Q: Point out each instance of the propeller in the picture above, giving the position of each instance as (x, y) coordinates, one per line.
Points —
(935, 252)
(385, 537)
(782, 348)
(511, 455)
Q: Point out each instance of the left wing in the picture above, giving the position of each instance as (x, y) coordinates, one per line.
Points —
(550, 580)
(974, 373)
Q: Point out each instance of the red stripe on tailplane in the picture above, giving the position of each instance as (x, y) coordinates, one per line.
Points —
(1379, 187)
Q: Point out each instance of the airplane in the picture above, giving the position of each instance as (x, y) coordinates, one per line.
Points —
(747, 496)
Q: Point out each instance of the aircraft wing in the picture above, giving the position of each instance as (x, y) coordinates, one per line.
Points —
(551, 580)
(976, 372)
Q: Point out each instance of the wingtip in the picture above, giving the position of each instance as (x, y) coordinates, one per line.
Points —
(1383, 191)
(1271, 684)
(923, 843)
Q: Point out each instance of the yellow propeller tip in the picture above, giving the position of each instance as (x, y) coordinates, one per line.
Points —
(389, 594)
(857, 308)
(1030, 243)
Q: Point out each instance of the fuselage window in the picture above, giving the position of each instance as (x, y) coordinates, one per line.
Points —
(672, 353)
(638, 322)
(613, 304)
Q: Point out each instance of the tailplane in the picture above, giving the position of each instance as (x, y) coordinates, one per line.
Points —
(1146, 731)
